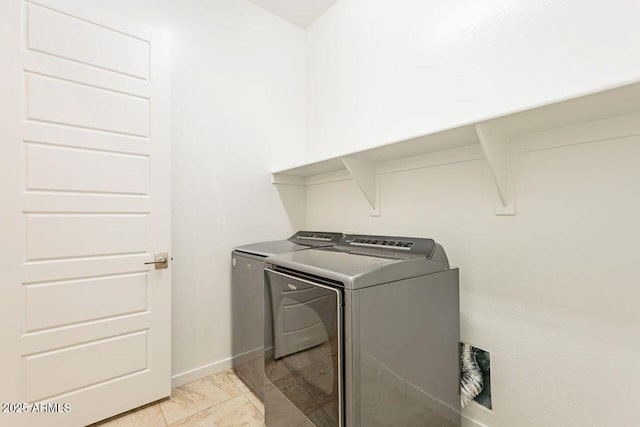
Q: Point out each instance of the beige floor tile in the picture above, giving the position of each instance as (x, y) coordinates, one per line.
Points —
(198, 395)
(148, 416)
(238, 411)
(221, 399)
(256, 401)
(235, 380)
(229, 382)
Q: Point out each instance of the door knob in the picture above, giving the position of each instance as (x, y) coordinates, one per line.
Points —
(161, 261)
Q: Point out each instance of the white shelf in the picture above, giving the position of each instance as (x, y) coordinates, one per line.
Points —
(492, 136)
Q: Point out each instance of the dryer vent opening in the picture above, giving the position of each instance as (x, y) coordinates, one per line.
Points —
(475, 376)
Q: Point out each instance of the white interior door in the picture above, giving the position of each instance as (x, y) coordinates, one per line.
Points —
(84, 203)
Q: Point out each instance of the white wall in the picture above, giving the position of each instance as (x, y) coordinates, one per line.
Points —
(552, 292)
(238, 88)
(381, 71)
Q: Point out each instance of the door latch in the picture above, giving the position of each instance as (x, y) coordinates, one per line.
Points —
(161, 261)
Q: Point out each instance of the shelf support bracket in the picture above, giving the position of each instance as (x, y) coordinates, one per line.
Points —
(366, 175)
(499, 152)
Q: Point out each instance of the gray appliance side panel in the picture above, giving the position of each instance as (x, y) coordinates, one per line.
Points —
(433, 372)
(407, 372)
(352, 358)
(279, 411)
(247, 315)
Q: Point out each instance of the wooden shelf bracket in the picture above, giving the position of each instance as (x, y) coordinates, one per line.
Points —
(499, 152)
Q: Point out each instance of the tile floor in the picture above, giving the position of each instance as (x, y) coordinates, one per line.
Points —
(221, 399)
(229, 398)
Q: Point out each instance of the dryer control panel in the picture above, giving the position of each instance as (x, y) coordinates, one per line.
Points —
(382, 243)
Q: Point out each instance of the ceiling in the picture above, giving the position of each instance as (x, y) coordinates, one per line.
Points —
(299, 12)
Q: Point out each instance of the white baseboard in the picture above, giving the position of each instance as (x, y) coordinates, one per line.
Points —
(213, 367)
(470, 422)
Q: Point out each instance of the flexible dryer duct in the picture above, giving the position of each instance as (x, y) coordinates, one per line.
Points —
(471, 383)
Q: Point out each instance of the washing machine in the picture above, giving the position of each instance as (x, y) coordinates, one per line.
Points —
(247, 296)
(363, 333)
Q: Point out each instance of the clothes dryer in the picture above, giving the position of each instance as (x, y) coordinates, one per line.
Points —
(364, 333)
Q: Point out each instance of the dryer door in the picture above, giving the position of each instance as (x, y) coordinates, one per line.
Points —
(305, 359)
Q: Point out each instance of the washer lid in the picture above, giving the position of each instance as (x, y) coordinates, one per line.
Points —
(300, 240)
(275, 247)
(355, 271)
